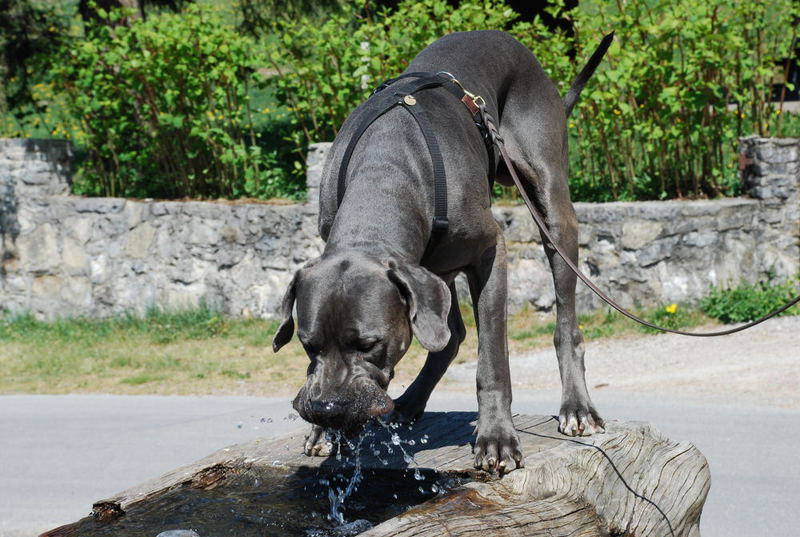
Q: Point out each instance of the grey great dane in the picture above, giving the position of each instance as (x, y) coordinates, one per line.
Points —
(386, 274)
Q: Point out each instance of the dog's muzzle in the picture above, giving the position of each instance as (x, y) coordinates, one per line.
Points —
(348, 411)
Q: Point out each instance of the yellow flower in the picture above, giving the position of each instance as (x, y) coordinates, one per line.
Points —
(672, 308)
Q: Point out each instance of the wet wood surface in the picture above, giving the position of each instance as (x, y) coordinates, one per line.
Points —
(631, 480)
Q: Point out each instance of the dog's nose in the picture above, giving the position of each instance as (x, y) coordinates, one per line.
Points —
(326, 408)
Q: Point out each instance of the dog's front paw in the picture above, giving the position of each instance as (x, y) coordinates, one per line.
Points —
(575, 419)
(316, 444)
(497, 448)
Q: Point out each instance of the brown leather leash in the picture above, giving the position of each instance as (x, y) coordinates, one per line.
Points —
(498, 142)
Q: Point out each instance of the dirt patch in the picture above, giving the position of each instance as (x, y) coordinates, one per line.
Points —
(759, 366)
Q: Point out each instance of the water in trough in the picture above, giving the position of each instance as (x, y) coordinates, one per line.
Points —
(339, 501)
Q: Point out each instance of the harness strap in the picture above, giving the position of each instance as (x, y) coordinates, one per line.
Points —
(408, 101)
(348, 152)
(440, 221)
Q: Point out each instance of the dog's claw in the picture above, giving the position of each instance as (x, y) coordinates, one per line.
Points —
(498, 452)
(585, 422)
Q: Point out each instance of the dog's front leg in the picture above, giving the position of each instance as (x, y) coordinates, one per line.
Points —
(316, 444)
(410, 406)
(497, 445)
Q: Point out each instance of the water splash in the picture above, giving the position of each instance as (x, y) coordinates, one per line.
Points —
(337, 496)
(351, 454)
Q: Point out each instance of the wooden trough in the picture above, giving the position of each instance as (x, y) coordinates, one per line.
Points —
(631, 480)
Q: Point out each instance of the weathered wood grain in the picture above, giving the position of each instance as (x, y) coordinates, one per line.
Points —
(631, 480)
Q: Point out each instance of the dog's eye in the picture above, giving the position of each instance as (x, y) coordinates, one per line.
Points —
(365, 345)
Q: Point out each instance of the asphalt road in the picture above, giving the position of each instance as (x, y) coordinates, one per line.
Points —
(61, 453)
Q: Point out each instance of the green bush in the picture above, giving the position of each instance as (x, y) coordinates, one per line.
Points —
(164, 106)
(661, 118)
(30, 32)
(324, 71)
(748, 302)
(683, 81)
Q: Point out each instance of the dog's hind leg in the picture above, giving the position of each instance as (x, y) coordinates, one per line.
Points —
(541, 161)
(577, 415)
(410, 406)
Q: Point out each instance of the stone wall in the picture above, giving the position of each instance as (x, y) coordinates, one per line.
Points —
(69, 256)
(660, 252)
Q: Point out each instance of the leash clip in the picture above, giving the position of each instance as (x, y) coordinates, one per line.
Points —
(476, 99)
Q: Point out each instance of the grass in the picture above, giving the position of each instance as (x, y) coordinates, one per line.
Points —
(196, 351)
(201, 352)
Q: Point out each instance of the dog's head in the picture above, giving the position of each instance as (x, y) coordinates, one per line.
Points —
(355, 318)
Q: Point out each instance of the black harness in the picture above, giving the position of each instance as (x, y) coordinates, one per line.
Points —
(407, 100)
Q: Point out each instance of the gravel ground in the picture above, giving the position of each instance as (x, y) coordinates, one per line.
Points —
(758, 367)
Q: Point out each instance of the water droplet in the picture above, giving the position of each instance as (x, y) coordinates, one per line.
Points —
(395, 439)
(434, 488)
(276, 462)
(394, 496)
(417, 475)
(239, 425)
(424, 439)
(411, 443)
(421, 490)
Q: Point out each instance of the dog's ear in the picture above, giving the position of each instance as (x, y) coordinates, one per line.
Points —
(428, 301)
(286, 329)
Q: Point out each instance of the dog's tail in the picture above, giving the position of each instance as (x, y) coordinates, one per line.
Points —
(586, 73)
